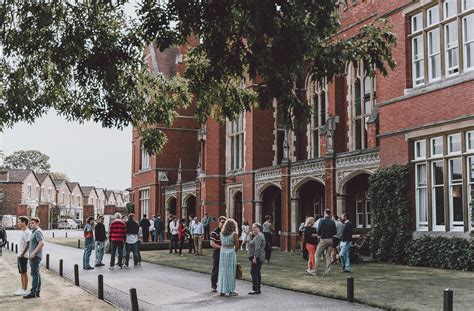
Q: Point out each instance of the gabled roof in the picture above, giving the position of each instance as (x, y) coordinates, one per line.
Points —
(73, 185)
(100, 190)
(42, 176)
(108, 193)
(18, 175)
(61, 182)
(86, 190)
(118, 194)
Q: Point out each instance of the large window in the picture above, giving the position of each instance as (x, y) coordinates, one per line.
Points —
(237, 142)
(364, 99)
(281, 136)
(318, 101)
(144, 159)
(144, 202)
(363, 214)
(444, 179)
(442, 36)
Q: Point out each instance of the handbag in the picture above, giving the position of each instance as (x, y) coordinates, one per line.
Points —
(238, 271)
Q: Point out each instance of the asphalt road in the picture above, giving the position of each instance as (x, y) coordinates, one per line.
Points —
(164, 288)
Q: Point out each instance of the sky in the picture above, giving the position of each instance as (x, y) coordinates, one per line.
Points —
(86, 153)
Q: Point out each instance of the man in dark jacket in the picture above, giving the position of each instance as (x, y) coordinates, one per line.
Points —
(346, 243)
(326, 230)
(145, 224)
(100, 237)
(159, 227)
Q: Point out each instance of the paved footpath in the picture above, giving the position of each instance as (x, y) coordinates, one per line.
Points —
(57, 293)
(165, 288)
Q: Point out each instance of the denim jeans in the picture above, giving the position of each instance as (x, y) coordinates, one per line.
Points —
(132, 248)
(87, 254)
(153, 236)
(116, 247)
(139, 255)
(344, 255)
(35, 275)
(99, 252)
(160, 236)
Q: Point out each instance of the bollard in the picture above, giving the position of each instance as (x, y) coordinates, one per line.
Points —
(133, 299)
(101, 286)
(448, 300)
(47, 261)
(8, 245)
(350, 289)
(60, 267)
(78, 243)
(76, 275)
(53, 234)
(16, 248)
(66, 234)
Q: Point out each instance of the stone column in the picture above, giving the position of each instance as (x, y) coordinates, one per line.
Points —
(294, 215)
(341, 203)
(258, 211)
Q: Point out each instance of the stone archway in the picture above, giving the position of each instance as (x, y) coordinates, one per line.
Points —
(189, 206)
(238, 212)
(171, 206)
(311, 199)
(357, 201)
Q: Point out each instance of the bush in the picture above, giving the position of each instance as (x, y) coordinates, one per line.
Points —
(390, 233)
(440, 252)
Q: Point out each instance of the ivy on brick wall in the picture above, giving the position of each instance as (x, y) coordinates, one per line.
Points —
(440, 252)
(390, 233)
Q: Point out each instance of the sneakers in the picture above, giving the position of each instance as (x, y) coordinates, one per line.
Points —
(312, 272)
(30, 295)
(126, 266)
(111, 268)
(214, 290)
(89, 268)
(139, 264)
(21, 292)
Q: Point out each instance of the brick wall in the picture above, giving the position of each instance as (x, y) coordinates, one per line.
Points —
(11, 198)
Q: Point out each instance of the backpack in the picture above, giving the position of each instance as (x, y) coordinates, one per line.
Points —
(3, 237)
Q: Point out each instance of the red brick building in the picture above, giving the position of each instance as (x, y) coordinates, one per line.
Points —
(422, 114)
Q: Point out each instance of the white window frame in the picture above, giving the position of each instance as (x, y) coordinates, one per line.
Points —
(144, 160)
(29, 191)
(316, 94)
(433, 197)
(445, 8)
(236, 141)
(422, 144)
(465, 7)
(465, 43)
(458, 135)
(418, 58)
(468, 135)
(359, 213)
(419, 17)
(432, 9)
(438, 155)
(367, 213)
(421, 225)
(144, 200)
(470, 187)
(454, 225)
(450, 46)
(434, 55)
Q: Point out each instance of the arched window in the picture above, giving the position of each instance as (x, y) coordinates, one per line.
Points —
(317, 98)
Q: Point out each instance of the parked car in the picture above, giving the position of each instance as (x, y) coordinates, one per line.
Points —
(62, 224)
(8, 221)
(72, 224)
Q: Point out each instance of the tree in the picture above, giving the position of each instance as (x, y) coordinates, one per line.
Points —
(28, 159)
(85, 60)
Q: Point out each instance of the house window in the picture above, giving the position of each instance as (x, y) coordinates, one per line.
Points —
(448, 182)
(145, 160)
(144, 202)
(468, 42)
(364, 101)
(29, 191)
(63, 201)
(237, 142)
(467, 4)
(421, 196)
(318, 101)
(50, 194)
(442, 38)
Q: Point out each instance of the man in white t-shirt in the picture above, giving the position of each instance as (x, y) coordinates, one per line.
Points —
(23, 247)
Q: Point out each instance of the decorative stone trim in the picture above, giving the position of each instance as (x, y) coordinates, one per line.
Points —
(188, 187)
(311, 167)
(272, 173)
(361, 160)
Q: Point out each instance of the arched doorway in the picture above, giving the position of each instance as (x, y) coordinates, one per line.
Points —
(171, 208)
(271, 205)
(238, 215)
(357, 200)
(311, 200)
(189, 207)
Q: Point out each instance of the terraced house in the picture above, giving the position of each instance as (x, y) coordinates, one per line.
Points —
(421, 115)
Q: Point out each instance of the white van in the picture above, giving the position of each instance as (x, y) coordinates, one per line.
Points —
(8, 221)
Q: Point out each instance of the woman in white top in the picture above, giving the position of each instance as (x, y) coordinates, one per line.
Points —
(245, 236)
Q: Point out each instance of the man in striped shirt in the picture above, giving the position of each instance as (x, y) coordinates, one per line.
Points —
(117, 236)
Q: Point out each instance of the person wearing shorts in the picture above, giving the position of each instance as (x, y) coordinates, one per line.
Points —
(22, 260)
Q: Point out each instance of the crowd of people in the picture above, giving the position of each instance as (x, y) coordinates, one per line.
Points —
(328, 235)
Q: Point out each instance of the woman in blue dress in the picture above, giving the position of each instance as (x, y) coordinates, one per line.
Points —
(228, 258)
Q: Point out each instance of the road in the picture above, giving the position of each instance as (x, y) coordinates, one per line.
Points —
(164, 288)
